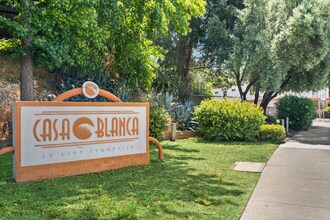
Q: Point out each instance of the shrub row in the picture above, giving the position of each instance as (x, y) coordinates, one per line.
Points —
(229, 120)
(224, 120)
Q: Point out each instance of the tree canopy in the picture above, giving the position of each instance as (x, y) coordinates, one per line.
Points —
(273, 46)
(270, 46)
(85, 36)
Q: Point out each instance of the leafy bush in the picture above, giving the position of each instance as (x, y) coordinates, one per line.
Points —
(327, 112)
(301, 111)
(271, 133)
(159, 120)
(229, 120)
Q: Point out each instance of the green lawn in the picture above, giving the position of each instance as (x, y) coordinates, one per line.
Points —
(195, 181)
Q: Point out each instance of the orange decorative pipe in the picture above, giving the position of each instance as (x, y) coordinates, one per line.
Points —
(78, 91)
(109, 96)
(6, 150)
(69, 94)
(159, 147)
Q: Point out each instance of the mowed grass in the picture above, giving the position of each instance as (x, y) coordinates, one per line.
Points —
(195, 181)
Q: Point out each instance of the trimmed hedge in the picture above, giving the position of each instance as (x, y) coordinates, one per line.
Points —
(159, 120)
(229, 120)
(301, 111)
(271, 133)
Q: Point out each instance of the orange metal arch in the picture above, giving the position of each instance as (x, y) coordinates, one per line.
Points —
(78, 91)
(159, 147)
(6, 150)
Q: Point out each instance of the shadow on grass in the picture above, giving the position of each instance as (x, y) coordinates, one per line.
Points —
(171, 187)
(181, 149)
(228, 143)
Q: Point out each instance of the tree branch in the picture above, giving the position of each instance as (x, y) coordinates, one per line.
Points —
(283, 85)
(247, 63)
(248, 87)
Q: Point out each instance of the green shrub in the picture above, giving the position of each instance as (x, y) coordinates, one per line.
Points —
(229, 120)
(301, 111)
(159, 120)
(271, 133)
(327, 112)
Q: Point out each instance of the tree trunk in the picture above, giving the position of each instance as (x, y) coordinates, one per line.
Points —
(239, 86)
(26, 78)
(26, 74)
(185, 47)
(243, 97)
(256, 95)
(267, 97)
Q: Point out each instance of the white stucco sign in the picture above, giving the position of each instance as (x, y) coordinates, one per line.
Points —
(59, 133)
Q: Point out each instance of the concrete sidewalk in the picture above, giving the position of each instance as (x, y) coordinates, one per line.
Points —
(295, 183)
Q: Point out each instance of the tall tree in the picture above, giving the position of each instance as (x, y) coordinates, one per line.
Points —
(299, 34)
(82, 36)
(173, 73)
(274, 46)
(236, 43)
(185, 52)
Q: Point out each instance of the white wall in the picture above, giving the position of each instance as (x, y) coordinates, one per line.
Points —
(234, 93)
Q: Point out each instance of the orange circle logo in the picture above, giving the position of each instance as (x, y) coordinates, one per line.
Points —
(80, 130)
(90, 89)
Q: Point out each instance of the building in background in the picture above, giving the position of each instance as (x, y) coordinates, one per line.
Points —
(321, 98)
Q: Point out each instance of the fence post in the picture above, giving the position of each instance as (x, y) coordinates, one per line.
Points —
(173, 132)
(287, 125)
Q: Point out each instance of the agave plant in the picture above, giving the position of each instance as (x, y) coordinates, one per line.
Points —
(183, 114)
(166, 100)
